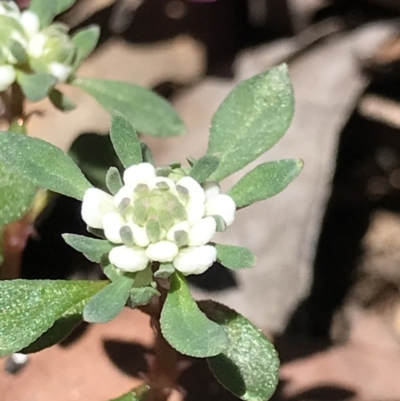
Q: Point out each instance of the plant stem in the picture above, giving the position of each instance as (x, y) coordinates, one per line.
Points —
(164, 368)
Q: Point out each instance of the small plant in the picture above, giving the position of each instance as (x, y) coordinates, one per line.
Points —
(155, 225)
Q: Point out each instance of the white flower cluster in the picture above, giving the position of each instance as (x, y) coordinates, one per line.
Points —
(160, 219)
(23, 43)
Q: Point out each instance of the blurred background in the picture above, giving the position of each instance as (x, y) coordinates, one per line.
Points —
(327, 284)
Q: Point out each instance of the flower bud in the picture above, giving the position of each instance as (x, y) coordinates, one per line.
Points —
(52, 50)
(7, 76)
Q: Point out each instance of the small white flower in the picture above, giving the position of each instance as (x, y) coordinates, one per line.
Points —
(139, 235)
(221, 205)
(139, 174)
(30, 22)
(96, 203)
(195, 260)
(10, 9)
(7, 76)
(196, 192)
(211, 188)
(182, 226)
(36, 45)
(178, 217)
(202, 232)
(59, 70)
(112, 224)
(162, 251)
(129, 259)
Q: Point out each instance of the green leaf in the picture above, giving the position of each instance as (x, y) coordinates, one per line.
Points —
(165, 270)
(185, 327)
(86, 40)
(42, 163)
(35, 86)
(125, 141)
(92, 248)
(137, 394)
(141, 296)
(108, 302)
(48, 9)
(94, 154)
(264, 181)
(16, 196)
(147, 112)
(235, 257)
(249, 366)
(204, 167)
(61, 101)
(30, 308)
(253, 117)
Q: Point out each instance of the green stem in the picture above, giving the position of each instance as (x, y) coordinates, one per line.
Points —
(164, 368)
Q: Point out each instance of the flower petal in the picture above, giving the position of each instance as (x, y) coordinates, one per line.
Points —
(182, 226)
(139, 235)
(36, 45)
(196, 192)
(221, 205)
(59, 70)
(7, 76)
(139, 174)
(112, 224)
(152, 182)
(96, 203)
(211, 188)
(162, 251)
(30, 22)
(130, 259)
(195, 211)
(195, 260)
(125, 192)
(202, 232)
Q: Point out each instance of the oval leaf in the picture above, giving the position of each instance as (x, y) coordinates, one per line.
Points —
(92, 248)
(36, 86)
(125, 141)
(253, 117)
(147, 112)
(16, 196)
(185, 327)
(86, 40)
(60, 101)
(42, 163)
(235, 257)
(249, 367)
(29, 308)
(264, 181)
(48, 9)
(108, 302)
(204, 167)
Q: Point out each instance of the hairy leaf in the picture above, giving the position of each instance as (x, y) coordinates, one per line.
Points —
(235, 257)
(185, 327)
(147, 112)
(36, 86)
(253, 117)
(204, 167)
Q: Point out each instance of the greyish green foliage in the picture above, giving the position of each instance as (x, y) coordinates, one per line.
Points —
(185, 327)
(60, 101)
(125, 141)
(35, 86)
(30, 308)
(48, 9)
(108, 302)
(147, 112)
(16, 196)
(249, 366)
(253, 117)
(204, 167)
(92, 248)
(43, 164)
(86, 40)
(264, 181)
(235, 257)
